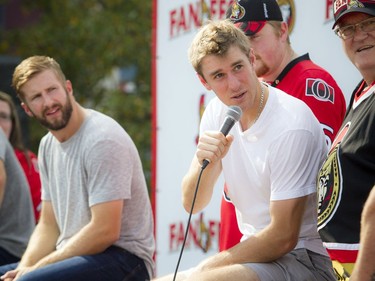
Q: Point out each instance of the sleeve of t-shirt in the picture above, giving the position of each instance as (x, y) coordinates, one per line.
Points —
(109, 169)
(294, 165)
(45, 195)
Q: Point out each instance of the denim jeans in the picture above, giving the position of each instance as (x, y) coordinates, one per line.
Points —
(6, 257)
(114, 264)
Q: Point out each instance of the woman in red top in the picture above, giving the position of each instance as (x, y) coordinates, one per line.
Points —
(10, 124)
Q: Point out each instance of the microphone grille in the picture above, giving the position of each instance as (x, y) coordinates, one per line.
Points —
(235, 112)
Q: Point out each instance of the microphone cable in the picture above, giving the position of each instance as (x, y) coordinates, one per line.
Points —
(189, 219)
(232, 116)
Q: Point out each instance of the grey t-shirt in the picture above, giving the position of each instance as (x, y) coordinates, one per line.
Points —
(16, 212)
(99, 163)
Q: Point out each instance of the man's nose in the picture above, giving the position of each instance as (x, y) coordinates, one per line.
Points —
(233, 82)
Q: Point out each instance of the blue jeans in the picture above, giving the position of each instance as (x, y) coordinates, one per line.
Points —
(114, 264)
(6, 257)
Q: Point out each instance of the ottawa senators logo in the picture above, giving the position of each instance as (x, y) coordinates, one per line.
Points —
(355, 4)
(238, 12)
(329, 191)
(320, 90)
(330, 182)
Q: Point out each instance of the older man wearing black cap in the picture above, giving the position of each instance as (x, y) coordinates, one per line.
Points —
(346, 217)
(278, 64)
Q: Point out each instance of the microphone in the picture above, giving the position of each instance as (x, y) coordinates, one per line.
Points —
(233, 115)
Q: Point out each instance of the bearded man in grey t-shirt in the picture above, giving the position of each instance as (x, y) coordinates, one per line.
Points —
(96, 220)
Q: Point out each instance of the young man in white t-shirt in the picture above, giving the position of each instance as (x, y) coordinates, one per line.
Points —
(269, 159)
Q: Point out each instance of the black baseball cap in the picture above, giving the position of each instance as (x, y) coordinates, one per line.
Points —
(343, 7)
(252, 15)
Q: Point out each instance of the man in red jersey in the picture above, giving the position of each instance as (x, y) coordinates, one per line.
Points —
(280, 66)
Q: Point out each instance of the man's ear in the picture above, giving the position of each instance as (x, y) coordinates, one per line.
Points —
(69, 86)
(284, 31)
(27, 109)
(252, 56)
(204, 83)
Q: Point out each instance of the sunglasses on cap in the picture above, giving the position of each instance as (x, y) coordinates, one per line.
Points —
(250, 28)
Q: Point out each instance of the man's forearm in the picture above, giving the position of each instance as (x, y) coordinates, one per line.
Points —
(3, 180)
(42, 243)
(206, 185)
(364, 269)
(90, 240)
(259, 249)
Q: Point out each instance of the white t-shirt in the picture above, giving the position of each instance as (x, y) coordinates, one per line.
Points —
(277, 158)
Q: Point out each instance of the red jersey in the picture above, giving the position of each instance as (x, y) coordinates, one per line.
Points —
(32, 174)
(312, 84)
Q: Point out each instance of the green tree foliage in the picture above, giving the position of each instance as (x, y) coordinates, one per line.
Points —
(89, 38)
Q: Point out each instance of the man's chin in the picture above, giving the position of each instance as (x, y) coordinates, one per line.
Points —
(52, 126)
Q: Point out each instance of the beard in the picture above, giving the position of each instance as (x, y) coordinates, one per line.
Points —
(61, 123)
(261, 68)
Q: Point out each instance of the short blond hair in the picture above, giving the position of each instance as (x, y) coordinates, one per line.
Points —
(215, 38)
(32, 66)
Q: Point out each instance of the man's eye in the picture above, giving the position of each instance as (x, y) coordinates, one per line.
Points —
(347, 29)
(370, 24)
(35, 97)
(238, 67)
(4, 116)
